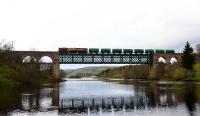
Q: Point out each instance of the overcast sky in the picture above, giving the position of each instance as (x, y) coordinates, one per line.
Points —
(50, 24)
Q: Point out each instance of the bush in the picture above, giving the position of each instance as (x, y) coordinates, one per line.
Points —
(6, 70)
(5, 82)
(74, 76)
(197, 71)
(180, 74)
(118, 76)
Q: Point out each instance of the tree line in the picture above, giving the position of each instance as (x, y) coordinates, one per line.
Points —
(187, 69)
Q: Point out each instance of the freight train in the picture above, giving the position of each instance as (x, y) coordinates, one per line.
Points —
(113, 51)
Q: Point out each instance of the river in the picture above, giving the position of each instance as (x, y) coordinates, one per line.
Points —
(91, 97)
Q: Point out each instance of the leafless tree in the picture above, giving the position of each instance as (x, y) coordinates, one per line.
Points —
(32, 49)
(6, 46)
(198, 53)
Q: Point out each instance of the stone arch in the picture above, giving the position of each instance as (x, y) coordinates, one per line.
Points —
(45, 59)
(173, 60)
(29, 59)
(162, 59)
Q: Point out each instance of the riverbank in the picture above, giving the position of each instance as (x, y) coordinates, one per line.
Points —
(19, 74)
(9, 82)
(166, 72)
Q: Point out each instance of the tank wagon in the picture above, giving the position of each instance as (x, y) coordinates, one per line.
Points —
(160, 51)
(116, 51)
(149, 51)
(105, 50)
(93, 50)
(140, 51)
(128, 51)
(170, 51)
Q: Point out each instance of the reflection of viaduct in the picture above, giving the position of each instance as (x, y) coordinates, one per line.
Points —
(105, 103)
(67, 58)
(141, 102)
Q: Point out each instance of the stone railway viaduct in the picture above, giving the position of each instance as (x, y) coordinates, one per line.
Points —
(55, 56)
(37, 55)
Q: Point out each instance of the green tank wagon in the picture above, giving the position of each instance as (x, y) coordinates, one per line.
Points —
(160, 51)
(116, 51)
(128, 51)
(170, 51)
(93, 50)
(149, 50)
(105, 50)
(139, 51)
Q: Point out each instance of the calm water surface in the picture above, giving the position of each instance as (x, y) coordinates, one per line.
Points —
(90, 97)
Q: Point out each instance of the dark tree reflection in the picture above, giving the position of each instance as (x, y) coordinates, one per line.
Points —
(190, 98)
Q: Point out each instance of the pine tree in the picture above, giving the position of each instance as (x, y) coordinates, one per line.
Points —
(188, 57)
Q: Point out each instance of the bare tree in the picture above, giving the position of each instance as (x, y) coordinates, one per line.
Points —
(198, 53)
(198, 48)
(33, 49)
(6, 46)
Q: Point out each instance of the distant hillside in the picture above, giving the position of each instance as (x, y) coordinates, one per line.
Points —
(86, 71)
(128, 72)
(69, 70)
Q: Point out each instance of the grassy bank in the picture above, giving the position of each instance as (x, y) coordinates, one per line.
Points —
(11, 76)
(169, 72)
(125, 72)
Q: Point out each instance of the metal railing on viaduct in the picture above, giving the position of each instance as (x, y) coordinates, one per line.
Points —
(69, 58)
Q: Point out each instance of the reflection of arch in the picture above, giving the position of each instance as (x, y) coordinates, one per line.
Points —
(173, 60)
(162, 59)
(29, 59)
(45, 59)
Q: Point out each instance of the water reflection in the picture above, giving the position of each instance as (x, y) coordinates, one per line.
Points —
(104, 104)
(120, 97)
(190, 98)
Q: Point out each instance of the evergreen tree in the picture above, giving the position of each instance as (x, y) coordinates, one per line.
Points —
(188, 57)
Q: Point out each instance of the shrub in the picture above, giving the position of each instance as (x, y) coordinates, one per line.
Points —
(180, 74)
(118, 75)
(5, 82)
(197, 71)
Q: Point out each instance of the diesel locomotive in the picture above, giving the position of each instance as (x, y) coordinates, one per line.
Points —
(73, 50)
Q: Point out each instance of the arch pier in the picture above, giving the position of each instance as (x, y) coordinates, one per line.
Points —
(37, 57)
(166, 58)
